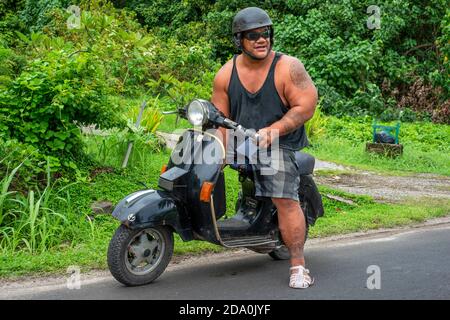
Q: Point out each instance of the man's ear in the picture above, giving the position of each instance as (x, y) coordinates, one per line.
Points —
(237, 40)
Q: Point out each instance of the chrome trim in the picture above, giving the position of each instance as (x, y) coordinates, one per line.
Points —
(213, 215)
(252, 244)
(137, 195)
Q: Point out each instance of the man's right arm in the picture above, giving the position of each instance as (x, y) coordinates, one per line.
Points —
(220, 94)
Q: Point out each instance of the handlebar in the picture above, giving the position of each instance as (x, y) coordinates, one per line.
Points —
(170, 112)
(219, 118)
(247, 132)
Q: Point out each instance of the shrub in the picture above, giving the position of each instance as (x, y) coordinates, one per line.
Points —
(151, 119)
(36, 13)
(42, 105)
(315, 126)
(28, 160)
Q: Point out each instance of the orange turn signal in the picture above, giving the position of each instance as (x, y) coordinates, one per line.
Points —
(164, 168)
(205, 192)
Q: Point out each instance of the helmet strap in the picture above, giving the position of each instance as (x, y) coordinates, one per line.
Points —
(254, 57)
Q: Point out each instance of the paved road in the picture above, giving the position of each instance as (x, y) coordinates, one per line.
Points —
(413, 264)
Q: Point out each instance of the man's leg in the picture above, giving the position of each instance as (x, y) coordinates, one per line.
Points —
(292, 225)
(291, 222)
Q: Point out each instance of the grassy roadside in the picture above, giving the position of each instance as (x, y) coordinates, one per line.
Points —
(343, 152)
(366, 214)
(87, 249)
(426, 146)
(340, 218)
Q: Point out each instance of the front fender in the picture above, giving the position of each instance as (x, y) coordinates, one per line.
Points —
(147, 208)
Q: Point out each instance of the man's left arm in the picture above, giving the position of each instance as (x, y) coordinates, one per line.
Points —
(301, 96)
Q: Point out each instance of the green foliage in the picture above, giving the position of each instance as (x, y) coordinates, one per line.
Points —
(129, 54)
(423, 136)
(42, 105)
(30, 163)
(175, 14)
(71, 74)
(358, 70)
(6, 66)
(9, 20)
(315, 127)
(150, 120)
(442, 77)
(36, 13)
(28, 222)
(114, 39)
(180, 93)
(109, 148)
(426, 145)
(54, 79)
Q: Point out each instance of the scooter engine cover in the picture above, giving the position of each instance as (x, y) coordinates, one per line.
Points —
(169, 179)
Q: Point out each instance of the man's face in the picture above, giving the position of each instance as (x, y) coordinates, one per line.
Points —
(257, 41)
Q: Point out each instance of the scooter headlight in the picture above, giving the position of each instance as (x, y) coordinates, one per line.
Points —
(197, 112)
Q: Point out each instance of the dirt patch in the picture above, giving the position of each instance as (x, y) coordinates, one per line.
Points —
(389, 188)
(96, 171)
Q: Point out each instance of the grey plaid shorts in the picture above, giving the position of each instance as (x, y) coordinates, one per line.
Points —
(278, 179)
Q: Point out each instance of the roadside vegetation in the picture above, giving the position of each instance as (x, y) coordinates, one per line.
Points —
(72, 84)
(426, 146)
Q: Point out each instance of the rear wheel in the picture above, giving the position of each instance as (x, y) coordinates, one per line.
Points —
(282, 253)
(137, 257)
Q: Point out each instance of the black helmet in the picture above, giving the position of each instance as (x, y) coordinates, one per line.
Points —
(248, 19)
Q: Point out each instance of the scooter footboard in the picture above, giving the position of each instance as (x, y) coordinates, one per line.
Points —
(147, 208)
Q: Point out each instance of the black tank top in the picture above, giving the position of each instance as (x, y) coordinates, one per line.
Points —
(263, 108)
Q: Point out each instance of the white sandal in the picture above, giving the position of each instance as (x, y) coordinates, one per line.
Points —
(300, 279)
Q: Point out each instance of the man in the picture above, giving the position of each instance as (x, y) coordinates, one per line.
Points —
(273, 94)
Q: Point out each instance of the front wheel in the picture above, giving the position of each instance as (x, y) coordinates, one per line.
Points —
(137, 257)
(282, 253)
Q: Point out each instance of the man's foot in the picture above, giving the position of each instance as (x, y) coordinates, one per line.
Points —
(300, 279)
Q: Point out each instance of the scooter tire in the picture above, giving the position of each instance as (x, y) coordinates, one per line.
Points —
(118, 252)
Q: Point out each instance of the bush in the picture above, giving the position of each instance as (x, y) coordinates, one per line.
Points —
(150, 119)
(41, 106)
(30, 162)
(35, 13)
(315, 126)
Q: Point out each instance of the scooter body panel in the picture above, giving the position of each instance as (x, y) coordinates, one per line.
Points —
(202, 156)
(147, 208)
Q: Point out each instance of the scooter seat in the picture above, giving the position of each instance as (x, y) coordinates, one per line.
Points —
(305, 162)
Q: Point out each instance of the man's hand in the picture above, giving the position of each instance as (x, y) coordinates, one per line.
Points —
(266, 136)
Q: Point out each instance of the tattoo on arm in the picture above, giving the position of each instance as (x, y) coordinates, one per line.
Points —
(299, 76)
(295, 117)
(292, 120)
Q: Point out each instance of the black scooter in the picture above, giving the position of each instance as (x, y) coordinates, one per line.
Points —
(191, 200)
